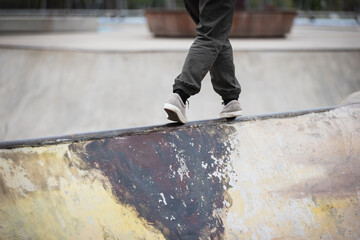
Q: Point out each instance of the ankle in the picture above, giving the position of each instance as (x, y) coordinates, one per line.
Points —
(226, 101)
(184, 97)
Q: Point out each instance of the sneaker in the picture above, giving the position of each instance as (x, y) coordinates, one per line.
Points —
(231, 110)
(175, 108)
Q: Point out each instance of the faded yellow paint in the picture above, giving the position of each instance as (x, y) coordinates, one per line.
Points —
(295, 182)
(330, 216)
(52, 198)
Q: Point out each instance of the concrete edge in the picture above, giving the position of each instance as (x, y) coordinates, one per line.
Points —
(36, 142)
(47, 24)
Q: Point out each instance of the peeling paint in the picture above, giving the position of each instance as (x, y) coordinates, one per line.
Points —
(163, 198)
(161, 166)
(16, 177)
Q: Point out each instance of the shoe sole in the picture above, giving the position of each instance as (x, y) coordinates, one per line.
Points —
(174, 113)
(230, 114)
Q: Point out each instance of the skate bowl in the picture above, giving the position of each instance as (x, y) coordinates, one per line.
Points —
(49, 92)
(177, 23)
(276, 176)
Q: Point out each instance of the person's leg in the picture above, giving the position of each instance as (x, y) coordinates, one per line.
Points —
(213, 27)
(192, 7)
(225, 83)
(223, 75)
(213, 19)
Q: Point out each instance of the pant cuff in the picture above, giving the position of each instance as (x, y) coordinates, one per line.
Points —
(185, 87)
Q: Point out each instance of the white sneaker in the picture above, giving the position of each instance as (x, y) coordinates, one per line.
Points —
(231, 110)
(175, 108)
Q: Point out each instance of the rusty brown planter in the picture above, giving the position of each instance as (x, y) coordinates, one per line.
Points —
(177, 23)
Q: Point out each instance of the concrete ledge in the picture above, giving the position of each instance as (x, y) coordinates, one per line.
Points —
(145, 130)
(47, 24)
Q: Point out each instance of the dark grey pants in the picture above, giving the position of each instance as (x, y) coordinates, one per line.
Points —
(211, 50)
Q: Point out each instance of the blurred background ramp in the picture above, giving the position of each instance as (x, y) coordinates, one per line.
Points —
(53, 91)
(291, 175)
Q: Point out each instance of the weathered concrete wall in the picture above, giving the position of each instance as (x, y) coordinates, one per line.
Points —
(272, 177)
(45, 93)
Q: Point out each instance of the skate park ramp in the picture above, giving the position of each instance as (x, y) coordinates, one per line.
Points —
(293, 175)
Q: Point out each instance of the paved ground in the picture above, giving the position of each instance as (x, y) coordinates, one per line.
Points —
(136, 37)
